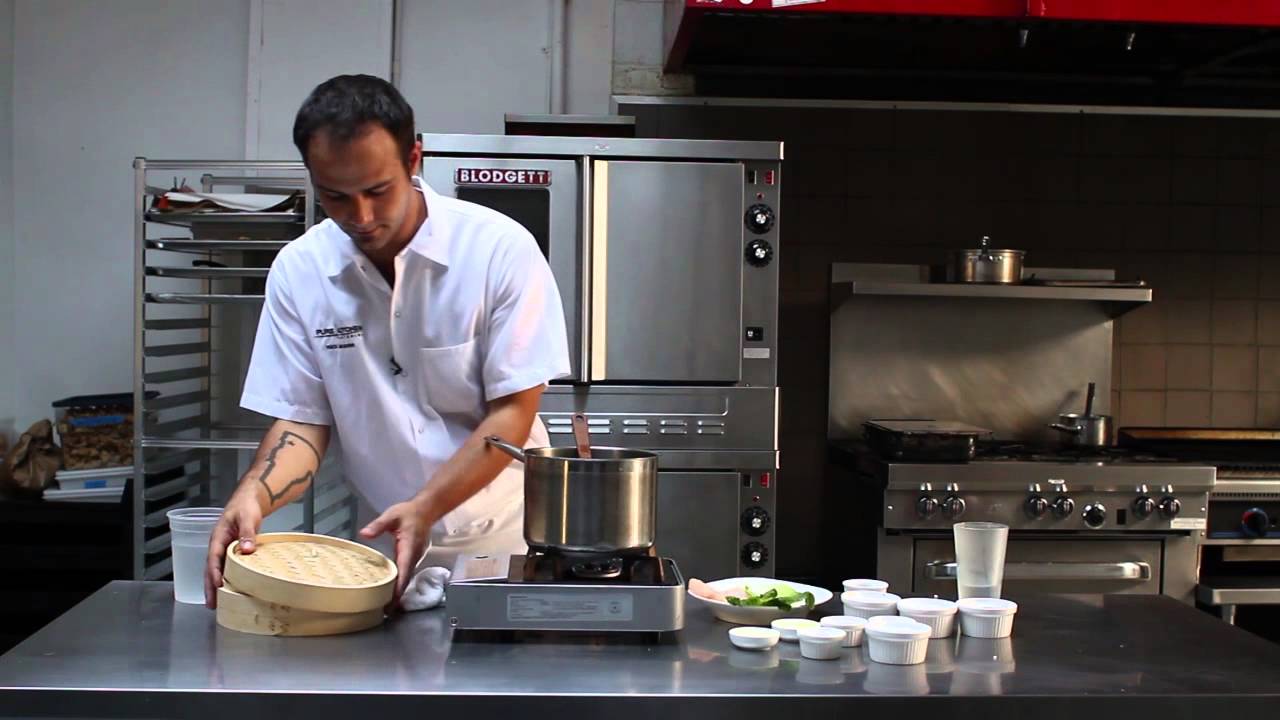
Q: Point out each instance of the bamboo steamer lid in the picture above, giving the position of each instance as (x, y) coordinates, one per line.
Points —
(312, 572)
(242, 613)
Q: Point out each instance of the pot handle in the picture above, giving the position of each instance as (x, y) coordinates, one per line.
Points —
(506, 447)
(1073, 429)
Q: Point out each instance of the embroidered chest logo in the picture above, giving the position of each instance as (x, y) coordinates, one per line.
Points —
(340, 338)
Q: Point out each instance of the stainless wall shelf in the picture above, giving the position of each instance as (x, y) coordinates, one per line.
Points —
(193, 328)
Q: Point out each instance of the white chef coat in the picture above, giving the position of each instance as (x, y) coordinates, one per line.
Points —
(402, 375)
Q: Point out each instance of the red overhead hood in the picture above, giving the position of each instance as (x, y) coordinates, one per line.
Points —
(1165, 44)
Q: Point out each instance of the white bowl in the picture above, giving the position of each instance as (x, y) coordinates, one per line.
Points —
(897, 640)
(852, 627)
(986, 617)
(788, 628)
(938, 614)
(866, 584)
(759, 615)
(868, 603)
(753, 638)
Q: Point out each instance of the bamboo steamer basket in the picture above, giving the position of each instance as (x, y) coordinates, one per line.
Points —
(242, 613)
(312, 572)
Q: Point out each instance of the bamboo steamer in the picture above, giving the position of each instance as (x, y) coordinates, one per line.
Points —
(312, 572)
(242, 613)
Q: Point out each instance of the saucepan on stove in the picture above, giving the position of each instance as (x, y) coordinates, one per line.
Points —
(986, 264)
(1087, 430)
(587, 500)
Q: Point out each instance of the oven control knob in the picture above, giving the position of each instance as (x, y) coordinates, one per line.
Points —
(1170, 507)
(754, 555)
(1063, 506)
(926, 507)
(1037, 506)
(953, 507)
(755, 521)
(1095, 515)
(759, 218)
(759, 252)
(1255, 523)
(1143, 507)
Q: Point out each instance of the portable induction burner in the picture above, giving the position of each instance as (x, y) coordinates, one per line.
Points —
(549, 592)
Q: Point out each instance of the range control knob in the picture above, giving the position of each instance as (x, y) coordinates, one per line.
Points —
(1063, 506)
(755, 521)
(1095, 515)
(953, 507)
(759, 218)
(759, 252)
(1143, 507)
(926, 507)
(755, 555)
(1255, 523)
(1036, 506)
(1170, 507)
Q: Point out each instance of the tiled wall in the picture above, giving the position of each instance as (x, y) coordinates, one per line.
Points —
(1191, 204)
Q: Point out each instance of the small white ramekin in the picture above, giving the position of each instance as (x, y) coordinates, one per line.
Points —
(868, 603)
(897, 640)
(852, 627)
(821, 643)
(986, 617)
(866, 584)
(788, 627)
(938, 614)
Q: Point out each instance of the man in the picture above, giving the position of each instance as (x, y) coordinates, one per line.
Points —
(412, 326)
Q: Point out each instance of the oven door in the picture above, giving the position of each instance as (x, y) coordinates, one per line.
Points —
(698, 522)
(666, 281)
(1053, 565)
(545, 197)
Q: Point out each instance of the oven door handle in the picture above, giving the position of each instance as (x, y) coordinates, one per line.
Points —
(944, 570)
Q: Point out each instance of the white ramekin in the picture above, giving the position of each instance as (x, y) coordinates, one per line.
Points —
(986, 617)
(938, 614)
(897, 640)
(866, 584)
(868, 603)
(821, 643)
(851, 625)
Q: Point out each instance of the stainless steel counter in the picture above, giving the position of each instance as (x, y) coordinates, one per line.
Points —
(129, 651)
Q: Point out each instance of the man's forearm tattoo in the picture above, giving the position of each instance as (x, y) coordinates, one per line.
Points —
(287, 439)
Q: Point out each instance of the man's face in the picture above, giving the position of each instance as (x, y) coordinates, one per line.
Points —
(363, 185)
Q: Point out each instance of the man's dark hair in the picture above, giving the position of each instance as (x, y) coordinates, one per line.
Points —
(343, 105)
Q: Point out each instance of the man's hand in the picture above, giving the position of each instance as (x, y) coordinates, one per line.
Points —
(241, 519)
(407, 522)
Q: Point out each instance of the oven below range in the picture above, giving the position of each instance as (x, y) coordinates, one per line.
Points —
(1093, 562)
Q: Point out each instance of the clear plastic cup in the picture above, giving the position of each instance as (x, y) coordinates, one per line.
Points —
(980, 548)
(189, 531)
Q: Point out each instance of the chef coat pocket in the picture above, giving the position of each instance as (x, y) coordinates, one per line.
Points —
(451, 379)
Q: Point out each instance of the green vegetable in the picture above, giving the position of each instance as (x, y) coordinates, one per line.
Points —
(780, 596)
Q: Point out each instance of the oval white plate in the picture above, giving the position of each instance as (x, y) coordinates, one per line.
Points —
(759, 615)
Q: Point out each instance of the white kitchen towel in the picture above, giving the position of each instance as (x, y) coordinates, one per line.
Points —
(426, 589)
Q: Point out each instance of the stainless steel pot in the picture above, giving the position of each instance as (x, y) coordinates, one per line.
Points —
(602, 504)
(986, 265)
(1084, 430)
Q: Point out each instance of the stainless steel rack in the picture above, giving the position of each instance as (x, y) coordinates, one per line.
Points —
(199, 280)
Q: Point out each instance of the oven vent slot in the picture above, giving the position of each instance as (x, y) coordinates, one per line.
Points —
(1244, 496)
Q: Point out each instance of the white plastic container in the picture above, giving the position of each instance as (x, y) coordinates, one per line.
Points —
(787, 627)
(852, 627)
(189, 531)
(938, 614)
(897, 640)
(869, 603)
(821, 643)
(749, 637)
(866, 584)
(987, 617)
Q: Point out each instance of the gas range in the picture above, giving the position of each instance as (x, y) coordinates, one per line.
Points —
(610, 594)
(1100, 520)
(1029, 487)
